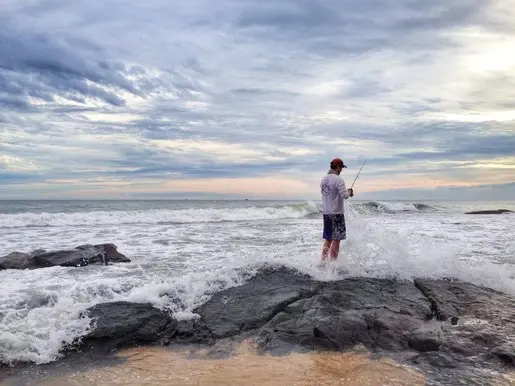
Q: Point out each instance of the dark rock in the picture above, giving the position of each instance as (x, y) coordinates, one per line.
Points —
(506, 353)
(78, 257)
(109, 252)
(13, 260)
(377, 313)
(454, 299)
(253, 304)
(494, 211)
(486, 318)
(455, 332)
(193, 331)
(125, 323)
(436, 359)
(427, 338)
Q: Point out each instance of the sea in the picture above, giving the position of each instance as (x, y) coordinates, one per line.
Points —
(183, 251)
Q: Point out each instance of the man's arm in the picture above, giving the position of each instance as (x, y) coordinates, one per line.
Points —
(342, 189)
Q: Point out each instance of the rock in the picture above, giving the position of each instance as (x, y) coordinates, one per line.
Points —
(124, 323)
(192, 331)
(13, 260)
(253, 304)
(426, 338)
(454, 331)
(437, 359)
(494, 211)
(377, 313)
(109, 252)
(482, 321)
(453, 299)
(506, 353)
(77, 257)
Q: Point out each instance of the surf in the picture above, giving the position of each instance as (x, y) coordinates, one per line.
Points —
(308, 209)
(40, 310)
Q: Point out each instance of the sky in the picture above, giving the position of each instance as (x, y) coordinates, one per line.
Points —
(246, 98)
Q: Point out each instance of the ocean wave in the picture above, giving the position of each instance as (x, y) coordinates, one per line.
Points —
(396, 207)
(308, 209)
(158, 216)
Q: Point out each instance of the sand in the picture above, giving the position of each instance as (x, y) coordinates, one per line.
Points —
(160, 366)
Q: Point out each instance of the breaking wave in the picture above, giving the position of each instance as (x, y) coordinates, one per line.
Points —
(308, 209)
(158, 216)
(396, 207)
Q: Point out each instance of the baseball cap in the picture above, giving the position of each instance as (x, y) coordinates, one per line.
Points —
(338, 162)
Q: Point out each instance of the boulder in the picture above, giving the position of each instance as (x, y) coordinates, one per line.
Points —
(78, 257)
(124, 323)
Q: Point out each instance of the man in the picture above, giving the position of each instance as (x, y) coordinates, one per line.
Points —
(334, 192)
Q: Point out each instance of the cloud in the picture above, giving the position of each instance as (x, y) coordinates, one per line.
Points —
(94, 96)
(38, 67)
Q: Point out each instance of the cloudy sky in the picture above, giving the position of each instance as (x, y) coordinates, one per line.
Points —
(198, 98)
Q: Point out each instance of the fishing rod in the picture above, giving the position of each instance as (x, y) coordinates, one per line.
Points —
(357, 175)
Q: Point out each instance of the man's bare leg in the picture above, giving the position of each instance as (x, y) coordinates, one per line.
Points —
(334, 248)
(325, 250)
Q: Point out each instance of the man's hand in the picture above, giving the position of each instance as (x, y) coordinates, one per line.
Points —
(351, 192)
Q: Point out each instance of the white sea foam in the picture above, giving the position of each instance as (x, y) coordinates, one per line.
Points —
(155, 216)
(178, 265)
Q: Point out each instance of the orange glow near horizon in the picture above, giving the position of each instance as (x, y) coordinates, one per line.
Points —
(264, 187)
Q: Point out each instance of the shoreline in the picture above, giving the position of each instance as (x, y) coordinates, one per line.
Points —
(228, 363)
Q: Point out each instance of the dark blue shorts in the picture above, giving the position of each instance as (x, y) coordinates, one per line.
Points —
(334, 227)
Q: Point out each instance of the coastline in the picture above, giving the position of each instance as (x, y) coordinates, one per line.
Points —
(228, 362)
(241, 364)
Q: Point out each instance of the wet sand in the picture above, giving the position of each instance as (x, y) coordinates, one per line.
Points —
(244, 366)
(161, 366)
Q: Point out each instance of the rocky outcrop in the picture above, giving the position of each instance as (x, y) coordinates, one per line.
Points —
(454, 331)
(493, 211)
(378, 313)
(78, 257)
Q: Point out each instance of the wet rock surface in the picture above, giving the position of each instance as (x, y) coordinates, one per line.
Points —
(377, 313)
(254, 303)
(125, 323)
(78, 257)
(456, 332)
(491, 211)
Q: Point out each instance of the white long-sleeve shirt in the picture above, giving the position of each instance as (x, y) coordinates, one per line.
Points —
(333, 192)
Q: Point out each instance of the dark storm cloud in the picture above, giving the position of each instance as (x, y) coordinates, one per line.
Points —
(42, 65)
